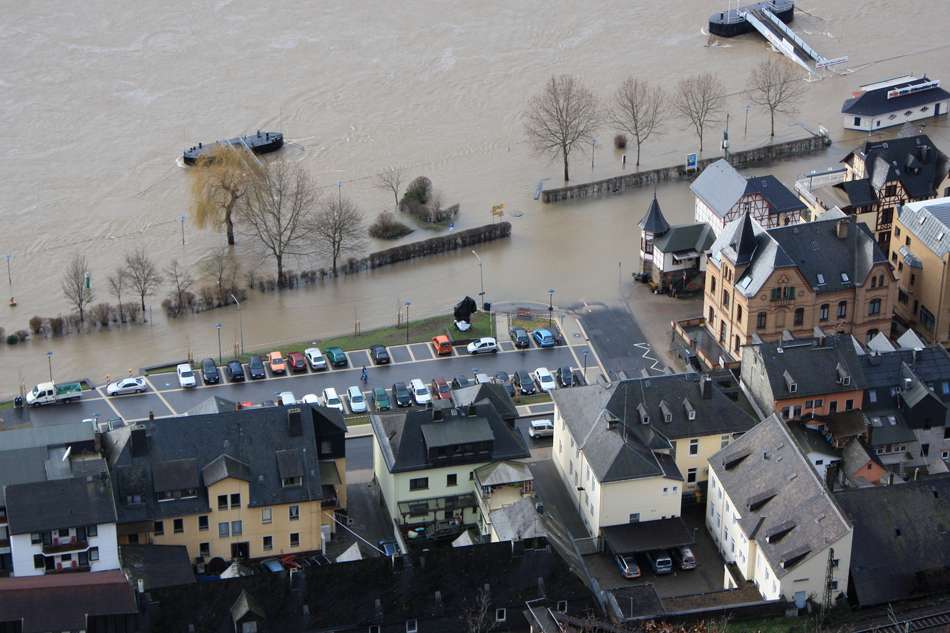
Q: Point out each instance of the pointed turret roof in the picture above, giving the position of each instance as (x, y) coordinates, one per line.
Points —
(653, 221)
(743, 240)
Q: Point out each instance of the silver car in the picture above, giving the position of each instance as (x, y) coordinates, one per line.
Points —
(354, 397)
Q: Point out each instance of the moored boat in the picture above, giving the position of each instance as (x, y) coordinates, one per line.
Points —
(260, 143)
(730, 23)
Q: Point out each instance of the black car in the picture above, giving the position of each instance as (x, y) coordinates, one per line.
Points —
(503, 378)
(519, 337)
(565, 376)
(401, 395)
(379, 354)
(235, 371)
(255, 368)
(209, 372)
(524, 382)
(460, 382)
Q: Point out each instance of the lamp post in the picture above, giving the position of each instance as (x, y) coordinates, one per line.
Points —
(9, 276)
(408, 303)
(593, 146)
(481, 295)
(339, 186)
(550, 308)
(182, 218)
(240, 322)
(218, 325)
(747, 119)
(49, 359)
(585, 366)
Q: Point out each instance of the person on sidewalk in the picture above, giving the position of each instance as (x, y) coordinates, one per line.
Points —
(365, 376)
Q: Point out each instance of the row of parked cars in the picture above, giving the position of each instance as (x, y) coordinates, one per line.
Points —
(660, 561)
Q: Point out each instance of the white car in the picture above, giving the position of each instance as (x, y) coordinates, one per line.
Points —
(287, 398)
(541, 428)
(354, 397)
(545, 379)
(482, 379)
(315, 358)
(419, 391)
(483, 346)
(186, 376)
(331, 400)
(129, 385)
(310, 398)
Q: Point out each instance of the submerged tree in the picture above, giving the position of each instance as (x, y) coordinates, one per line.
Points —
(75, 288)
(142, 274)
(339, 228)
(390, 179)
(638, 108)
(221, 176)
(776, 86)
(701, 101)
(562, 114)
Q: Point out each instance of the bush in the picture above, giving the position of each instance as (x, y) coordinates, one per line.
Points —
(22, 335)
(13, 339)
(386, 227)
(620, 141)
(36, 324)
(56, 325)
(3, 333)
(101, 314)
(418, 190)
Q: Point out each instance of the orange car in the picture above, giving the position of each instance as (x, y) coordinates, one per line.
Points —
(442, 344)
(277, 364)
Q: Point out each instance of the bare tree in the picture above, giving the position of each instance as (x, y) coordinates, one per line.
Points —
(118, 282)
(701, 100)
(77, 293)
(390, 179)
(340, 228)
(562, 114)
(478, 618)
(221, 177)
(776, 86)
(142, 274)
(221, 266)
(182, 282)
(639, 110)
(278, 211)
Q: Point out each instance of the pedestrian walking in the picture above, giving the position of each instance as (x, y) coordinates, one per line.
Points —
(365, 376)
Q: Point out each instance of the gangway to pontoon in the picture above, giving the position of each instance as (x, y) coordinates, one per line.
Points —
(785, 40)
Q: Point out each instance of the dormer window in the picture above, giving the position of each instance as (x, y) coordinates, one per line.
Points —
(844, 278)
(690, 410)
(665, 410)
(289, 482)
(790, 383)
(644, 416)
(844, 378)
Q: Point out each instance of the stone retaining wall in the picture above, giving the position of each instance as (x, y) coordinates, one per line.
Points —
(435, 245)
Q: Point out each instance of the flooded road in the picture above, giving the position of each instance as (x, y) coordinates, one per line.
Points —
(101, 99)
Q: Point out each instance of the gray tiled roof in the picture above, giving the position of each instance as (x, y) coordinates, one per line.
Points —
(813, 368)
(64, 503)
(720, 186)
(856, 457)
(520, 520)
(887, 426)
(54, 435)
(911, 159)
(887, 566)
(773, 487)
(811, 441)
(934, 231)
(176, 474)
(490, 393)
(222, 467)
(859, 193)
(875, 102)
(777, 195)
(402, 436)
(685, 237)
(21, 466)
(653, 221)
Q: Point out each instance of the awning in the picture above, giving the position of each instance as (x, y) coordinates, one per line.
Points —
(329, 474)
(641, 537)
(680, 256)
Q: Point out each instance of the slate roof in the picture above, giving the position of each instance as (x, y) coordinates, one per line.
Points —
(176, 474)
(59, 504)
(500, 473)
(490, 393)
(774, 487)
(157, 565)
(777, 195)
(720, 187)
(929, 222)
(859, 192)
(433, 584)
(402, 436)
(214, 404)
(885, 371)
(242, 444)
(887, 426)
(813, 248)
(45, 436)
(811, 441)
(62, 602)
(21, 466)
(520, 520)
(653, 221)
(911, 159)
(888, 567)
(685, 237)
(813, 368)
(856, 457)
(875, 102)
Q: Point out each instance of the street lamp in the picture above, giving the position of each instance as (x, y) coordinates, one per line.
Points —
(182, 218)
(218, 325)
(550, 308)
(747, 119)
(481, 295)
(339, 186)
(49, 359)
(585, 366)
(408, 303)
(9, 276)
(240, 322)
(593, 146)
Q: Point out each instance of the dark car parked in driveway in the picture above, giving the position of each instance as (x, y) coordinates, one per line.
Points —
(235, 371)
(255, 368)
(519, 337)
(524, 382)
(565, 376)
(297, 362)
(209, 372)
(379, 354)
(337, 356)
(460, 382)
(502, 378)
(401, 395)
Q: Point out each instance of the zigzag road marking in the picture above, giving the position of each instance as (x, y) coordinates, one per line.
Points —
(646, 346)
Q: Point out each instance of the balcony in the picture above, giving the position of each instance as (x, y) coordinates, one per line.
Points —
(330, 499)
(63, 545)
(71, 567)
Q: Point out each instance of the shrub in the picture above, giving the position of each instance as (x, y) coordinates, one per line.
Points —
(56, 325)
(386, 227)
(101, 314)
(620, 141)
(131, 311)
(418, 190)
(206, 296)
(36, 324)
(3, 333)
(13, 339)
(22, 335)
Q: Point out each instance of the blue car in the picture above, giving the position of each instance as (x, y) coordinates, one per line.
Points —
(543, 338)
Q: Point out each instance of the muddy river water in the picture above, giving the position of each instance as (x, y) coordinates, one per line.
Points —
(100, 98)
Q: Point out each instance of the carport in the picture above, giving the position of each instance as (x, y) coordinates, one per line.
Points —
(634, 538)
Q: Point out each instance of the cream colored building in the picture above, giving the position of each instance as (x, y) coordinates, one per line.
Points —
(770, 514)
(245, 484)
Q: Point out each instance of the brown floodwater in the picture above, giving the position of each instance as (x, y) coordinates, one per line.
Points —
(101, 98)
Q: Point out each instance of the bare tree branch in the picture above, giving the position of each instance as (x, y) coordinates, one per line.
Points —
(701, 100)
(776, 86)
(118, 281)
(390, 179)
(564, 113)
(222, 267)
(74, 285)
(142, 274)
(182, 283)
(639, 110)
(340, 228)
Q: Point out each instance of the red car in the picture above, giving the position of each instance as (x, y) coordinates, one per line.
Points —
(296, 361)
(295, 562)
(440, 388)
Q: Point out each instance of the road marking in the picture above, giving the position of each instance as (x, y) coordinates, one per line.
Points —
(109, 403)
(160, 396)
(648, 349)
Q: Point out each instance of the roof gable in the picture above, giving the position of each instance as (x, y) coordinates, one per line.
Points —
(720, 187)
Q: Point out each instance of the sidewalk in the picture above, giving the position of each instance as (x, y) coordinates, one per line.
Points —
(654, 314)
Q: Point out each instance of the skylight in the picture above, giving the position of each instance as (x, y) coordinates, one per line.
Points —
(939, 236)
(745, 282)
(821, 278)
(844, 277)
(922, 218)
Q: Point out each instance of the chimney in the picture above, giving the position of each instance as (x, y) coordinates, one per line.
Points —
(471, 411)
(707, 388)
(294, 422)
(437, 415)
(139, 441)
(842, 228)
(517, 549)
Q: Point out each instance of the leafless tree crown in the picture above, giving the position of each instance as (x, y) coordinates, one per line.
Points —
(562, 114)
(640, 109)
(142, 274)
(74, 285)
(701, 101)
(776, 86)
(339, 228)
(390, 179)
